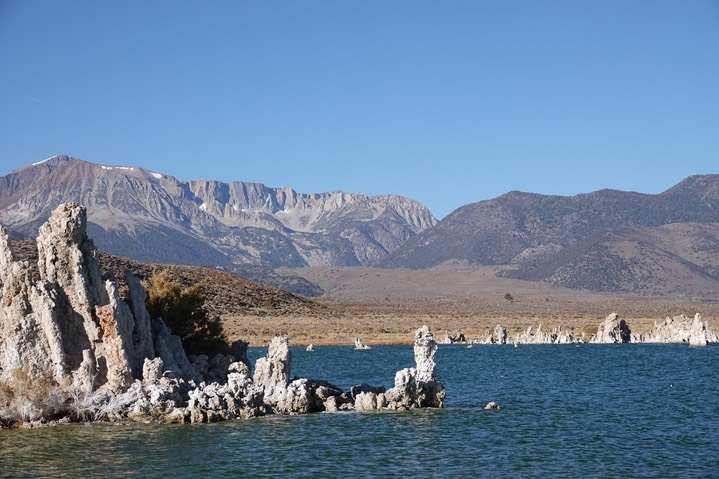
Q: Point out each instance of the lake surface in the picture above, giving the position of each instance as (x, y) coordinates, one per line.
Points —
(570, 411)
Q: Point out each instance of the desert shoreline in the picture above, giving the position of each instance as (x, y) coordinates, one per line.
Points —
(387, 322)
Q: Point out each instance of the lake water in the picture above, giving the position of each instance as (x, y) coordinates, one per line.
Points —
(570, 411)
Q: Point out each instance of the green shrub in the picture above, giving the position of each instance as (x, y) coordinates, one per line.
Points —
(183, 311)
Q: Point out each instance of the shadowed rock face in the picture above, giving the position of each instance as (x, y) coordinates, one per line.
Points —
(613, 330)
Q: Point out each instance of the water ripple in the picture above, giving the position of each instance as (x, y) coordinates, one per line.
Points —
(595, 411)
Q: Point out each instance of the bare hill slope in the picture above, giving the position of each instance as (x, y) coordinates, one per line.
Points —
(659, 245)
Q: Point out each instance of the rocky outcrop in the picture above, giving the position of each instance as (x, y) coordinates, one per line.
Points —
(555, 336)
(272, 373)
(271, 391)
(612, 330)
(413, 387)
(68, 322)
(499, 336)
(458, 337)
(104, 358)
(679, 329)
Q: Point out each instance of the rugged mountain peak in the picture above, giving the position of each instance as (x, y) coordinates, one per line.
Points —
(207, 221)
(250, 204)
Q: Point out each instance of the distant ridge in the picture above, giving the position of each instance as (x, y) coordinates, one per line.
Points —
(608, 240)
(152, 216)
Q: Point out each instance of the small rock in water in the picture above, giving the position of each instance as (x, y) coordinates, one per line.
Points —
(492, 405)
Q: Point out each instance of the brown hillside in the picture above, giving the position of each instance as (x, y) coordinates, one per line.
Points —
(225, 294)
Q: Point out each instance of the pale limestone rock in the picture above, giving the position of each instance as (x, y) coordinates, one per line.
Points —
(238, 378)
(457, 338)
(152, 370)
(68, 317)
(613, 330)
(417, 387)
(500, 335)
(425, 348)
(143, 346)
(563, 337)
(169, 348)
(369, 401)
(296, 398)
(555, 336)
(84, 376)
(698, 332)
(29, 333)
(331, 404)
(272, 373)
(679, 329)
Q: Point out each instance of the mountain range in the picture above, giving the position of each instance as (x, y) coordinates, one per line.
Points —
(663, 244)
(154, 217)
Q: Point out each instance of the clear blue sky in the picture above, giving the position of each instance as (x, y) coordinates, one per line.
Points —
(446, 102)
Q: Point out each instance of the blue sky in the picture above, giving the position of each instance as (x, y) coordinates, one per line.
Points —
(445, 102)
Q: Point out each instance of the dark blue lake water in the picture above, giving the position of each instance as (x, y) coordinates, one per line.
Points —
(570, 411)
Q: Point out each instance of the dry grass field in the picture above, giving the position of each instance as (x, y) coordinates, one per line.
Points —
(386, 306)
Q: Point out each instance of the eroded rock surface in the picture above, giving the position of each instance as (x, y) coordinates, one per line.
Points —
(69, 322)
(679, 329)
(539, 336)
(106, 359)
(613, 330)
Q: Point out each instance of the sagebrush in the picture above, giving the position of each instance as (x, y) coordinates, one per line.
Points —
(184, 312)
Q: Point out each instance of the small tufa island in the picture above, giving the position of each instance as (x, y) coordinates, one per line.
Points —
(73, 349)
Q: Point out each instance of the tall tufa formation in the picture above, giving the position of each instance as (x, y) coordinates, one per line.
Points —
(68, 321)
(107, 360)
